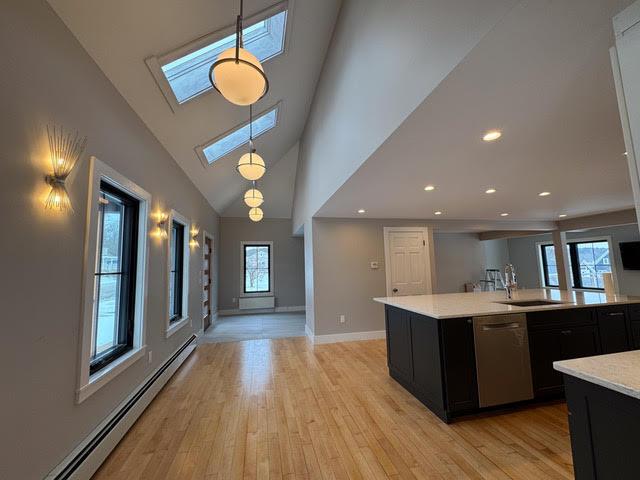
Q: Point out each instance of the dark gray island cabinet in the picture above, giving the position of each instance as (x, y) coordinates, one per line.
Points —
(603, 399)
(435, 358)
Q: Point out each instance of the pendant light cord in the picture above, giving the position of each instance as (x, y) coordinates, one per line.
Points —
(239, 40)
(251, 149)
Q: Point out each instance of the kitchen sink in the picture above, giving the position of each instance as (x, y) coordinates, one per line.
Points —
(531, 303)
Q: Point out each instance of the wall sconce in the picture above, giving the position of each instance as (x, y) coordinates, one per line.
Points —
(193, 243)
(65, 151)
(161, 225)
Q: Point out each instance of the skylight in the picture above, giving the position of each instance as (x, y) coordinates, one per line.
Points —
(240, 136)
(188, 75)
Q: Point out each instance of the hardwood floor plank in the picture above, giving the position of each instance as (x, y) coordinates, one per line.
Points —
(286, 409)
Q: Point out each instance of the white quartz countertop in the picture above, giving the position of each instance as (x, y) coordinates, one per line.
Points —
(455, 305)
(616, 371)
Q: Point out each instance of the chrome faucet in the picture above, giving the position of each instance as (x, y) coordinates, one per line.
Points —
(510, 282)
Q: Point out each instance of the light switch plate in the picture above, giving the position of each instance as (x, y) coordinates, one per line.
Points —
(374, 265)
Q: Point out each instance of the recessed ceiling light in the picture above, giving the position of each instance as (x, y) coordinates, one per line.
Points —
(490, 190)
(544, 194)
(562, 215)
(492, 135)
(505, 214)
(437, 213)
(362, 210)
(429, 188)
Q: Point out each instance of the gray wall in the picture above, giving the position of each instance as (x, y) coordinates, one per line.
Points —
(48, 78)
(344, 283)
(524, 256)
(288, 259)
(460, 258)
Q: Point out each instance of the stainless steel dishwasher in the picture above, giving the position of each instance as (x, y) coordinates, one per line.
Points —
(502, 359)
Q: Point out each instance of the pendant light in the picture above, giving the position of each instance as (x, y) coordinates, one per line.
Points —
(253, 197)
(237, 74)
(256, 214)
(251, 165)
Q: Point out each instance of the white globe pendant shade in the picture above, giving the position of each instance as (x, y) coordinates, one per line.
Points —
(256, 214)
(240, 80)
(253, 197)
(251, 166)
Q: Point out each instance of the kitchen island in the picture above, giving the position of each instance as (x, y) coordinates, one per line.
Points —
(603, 398)
(467, 352)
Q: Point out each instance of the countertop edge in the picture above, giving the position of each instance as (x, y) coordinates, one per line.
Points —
(562, 366)
(539, 308)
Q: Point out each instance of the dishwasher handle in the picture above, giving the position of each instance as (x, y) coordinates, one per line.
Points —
(500, 326)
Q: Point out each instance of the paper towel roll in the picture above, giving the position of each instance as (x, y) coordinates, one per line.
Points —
(607, 279)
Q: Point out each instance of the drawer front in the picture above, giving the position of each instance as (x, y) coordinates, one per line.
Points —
(613, 311)
(560, 318)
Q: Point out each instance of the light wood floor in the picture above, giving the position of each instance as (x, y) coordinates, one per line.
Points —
(286, 409)
(236, 328)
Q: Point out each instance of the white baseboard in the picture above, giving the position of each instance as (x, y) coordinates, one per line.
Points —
(236, 311)
(106, 438)
(345, 337)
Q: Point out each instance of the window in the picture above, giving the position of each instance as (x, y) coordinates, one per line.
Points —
(549, 267)
(115, 272)
(187, 69)
(256, 268)
(175, 271)
(588, 260)
(178, 272)
(114, 278)
(240, 136)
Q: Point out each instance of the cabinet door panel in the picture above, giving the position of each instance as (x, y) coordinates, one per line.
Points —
(399, 355)
(427, 370)
(635, 335)
(612, 326)
(579, 342)
(459, 364)
(545, 348)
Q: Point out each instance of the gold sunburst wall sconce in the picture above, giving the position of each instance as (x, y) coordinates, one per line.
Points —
(65, 150)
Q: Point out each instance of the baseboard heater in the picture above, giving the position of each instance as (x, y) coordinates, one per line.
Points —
(250, 303)
(79, 464)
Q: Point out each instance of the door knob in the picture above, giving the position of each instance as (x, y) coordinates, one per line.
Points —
(395, 290)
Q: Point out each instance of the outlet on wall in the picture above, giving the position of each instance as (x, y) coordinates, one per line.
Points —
(342, 319)
(150, 356)
(234, 299)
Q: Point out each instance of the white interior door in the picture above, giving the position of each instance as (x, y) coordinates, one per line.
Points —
(407, 263)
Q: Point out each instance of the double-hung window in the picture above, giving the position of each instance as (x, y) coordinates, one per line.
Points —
(115, 276)
(178, 272)
(588, 260)
(257, 271)
(114, 279)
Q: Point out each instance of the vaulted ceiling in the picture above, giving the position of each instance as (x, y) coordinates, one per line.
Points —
(542, 74)
(121, 34)
(400, 100)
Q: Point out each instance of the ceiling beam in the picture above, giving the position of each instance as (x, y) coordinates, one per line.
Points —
(600, 220)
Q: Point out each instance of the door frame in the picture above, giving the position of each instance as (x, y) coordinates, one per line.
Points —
(206, 235)
(429, 255)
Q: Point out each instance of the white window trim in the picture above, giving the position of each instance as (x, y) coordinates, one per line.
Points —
(178, 324)
(200, 148)
(88, 384)
(155, 63)
(612, 260)
(271, 272)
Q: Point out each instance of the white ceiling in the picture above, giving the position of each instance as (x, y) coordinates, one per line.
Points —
(120, 34)
(542, 75)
